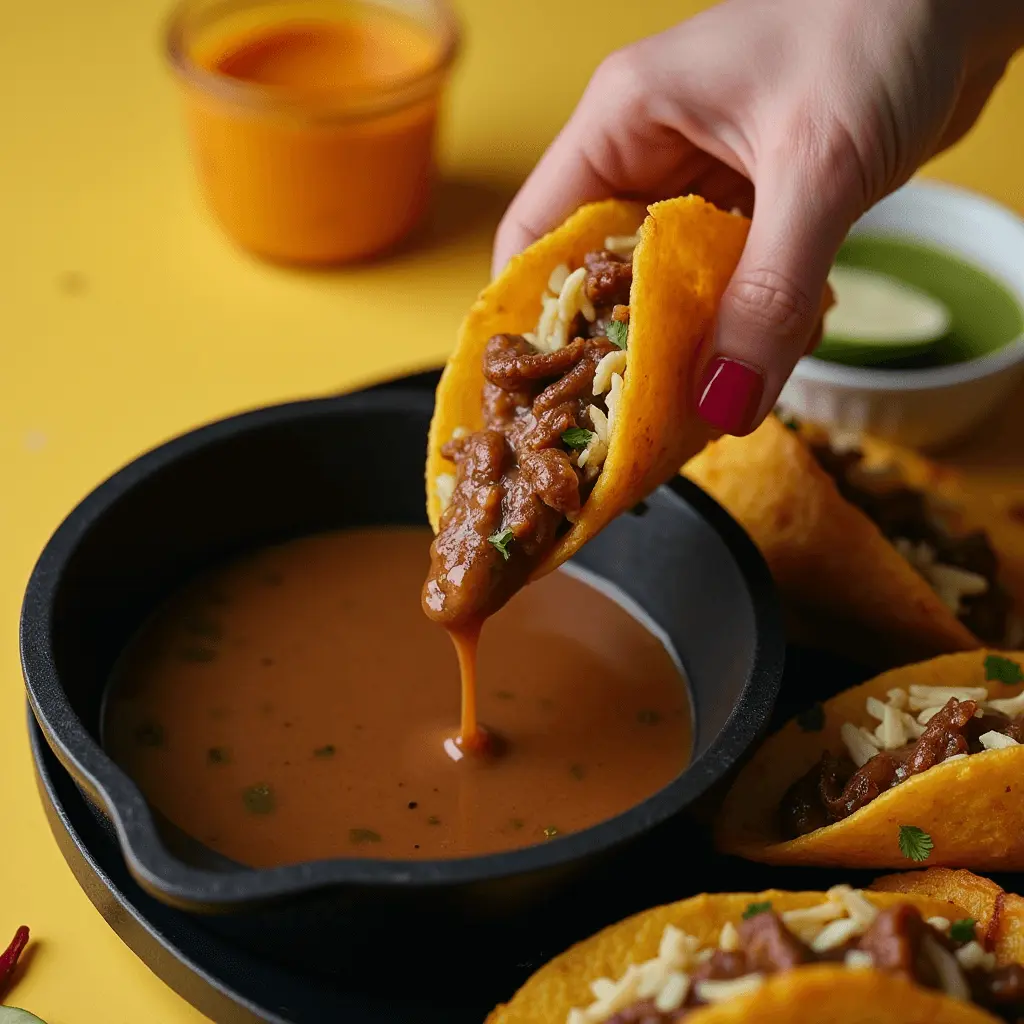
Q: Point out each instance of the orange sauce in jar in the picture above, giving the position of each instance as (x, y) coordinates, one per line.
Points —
(312, 124)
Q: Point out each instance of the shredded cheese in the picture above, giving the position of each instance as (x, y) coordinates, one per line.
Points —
(947, 967)
(729, 940)
(858, 960)
(444, 488)
(720, 991)
(836, 933)
(612, 363)
(996, 741)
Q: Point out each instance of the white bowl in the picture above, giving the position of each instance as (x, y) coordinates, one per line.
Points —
(924, 408)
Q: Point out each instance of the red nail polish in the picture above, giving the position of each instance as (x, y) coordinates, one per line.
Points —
(730, 395)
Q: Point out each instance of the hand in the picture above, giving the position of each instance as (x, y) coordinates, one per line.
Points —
(821, 106)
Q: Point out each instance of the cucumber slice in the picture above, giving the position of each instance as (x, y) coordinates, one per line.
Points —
(878, 318)
(12, 1015)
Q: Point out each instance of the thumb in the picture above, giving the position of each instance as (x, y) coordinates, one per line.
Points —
(774, 302)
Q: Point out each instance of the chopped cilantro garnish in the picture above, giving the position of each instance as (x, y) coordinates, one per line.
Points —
(1003, 670)
(259, 799)
(915, 843)
(618, 333)
(813, 719)
(550, 832)
(753, 909)
(578, 437)
(501, 541)
(363, 835)
(962, 930)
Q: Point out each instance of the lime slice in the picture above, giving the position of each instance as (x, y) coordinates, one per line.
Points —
(877, 318)
(12, 1015)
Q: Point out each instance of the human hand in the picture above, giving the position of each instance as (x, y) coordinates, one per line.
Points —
(821, 106)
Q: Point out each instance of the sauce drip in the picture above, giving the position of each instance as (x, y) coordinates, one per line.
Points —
(472, 738)
(296, 705)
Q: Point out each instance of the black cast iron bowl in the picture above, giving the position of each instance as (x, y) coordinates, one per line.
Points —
(357, 460)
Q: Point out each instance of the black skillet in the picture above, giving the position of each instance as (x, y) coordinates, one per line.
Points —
(222, 965)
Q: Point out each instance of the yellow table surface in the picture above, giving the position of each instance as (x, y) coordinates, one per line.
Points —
(125, 318)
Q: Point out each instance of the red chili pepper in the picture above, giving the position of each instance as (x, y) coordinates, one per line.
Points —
(9, 958)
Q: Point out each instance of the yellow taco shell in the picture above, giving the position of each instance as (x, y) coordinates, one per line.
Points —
(843, 580)
(687, 252)
(818, 993)
(971, 808)
(999, 914)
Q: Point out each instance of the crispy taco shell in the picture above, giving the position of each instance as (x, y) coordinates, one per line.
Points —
(817, 993)
(687, 252)
(846, 585)
(971, 808)
(999, 914)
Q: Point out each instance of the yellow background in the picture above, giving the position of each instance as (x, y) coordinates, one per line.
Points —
(125, 318)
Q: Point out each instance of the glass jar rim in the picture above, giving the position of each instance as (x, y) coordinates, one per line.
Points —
(357, 106)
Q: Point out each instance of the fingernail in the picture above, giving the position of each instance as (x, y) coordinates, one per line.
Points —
(730, 395)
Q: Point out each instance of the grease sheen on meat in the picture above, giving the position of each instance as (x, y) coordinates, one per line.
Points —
(516, 481)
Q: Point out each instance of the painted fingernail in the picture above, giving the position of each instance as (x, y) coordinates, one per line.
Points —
(730, 395)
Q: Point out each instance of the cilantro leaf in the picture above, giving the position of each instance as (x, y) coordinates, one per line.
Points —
(501, 541)
(962, 930)
(915, 843)
(1003, 670)
(753, 909)
(578, 437)
(813, 718)
(618, 333)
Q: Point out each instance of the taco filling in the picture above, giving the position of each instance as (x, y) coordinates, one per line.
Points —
(845, 929)
(549, 402)
(916, 730)
(961, 569)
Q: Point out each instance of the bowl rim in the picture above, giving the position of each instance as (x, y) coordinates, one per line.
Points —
(173, 881)
(868, 378)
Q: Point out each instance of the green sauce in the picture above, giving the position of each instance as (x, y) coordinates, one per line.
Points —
(985, 315)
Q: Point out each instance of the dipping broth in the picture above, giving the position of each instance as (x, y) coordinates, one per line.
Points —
(298, 705)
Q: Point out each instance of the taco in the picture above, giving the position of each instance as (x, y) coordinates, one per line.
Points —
(998, 915)
(867, 564)
(925, 762)
(843, 956)
(570, 394)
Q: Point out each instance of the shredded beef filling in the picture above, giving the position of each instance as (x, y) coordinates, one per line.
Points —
(515, 478)
(835, 787)
(895, 940)
(902, 512)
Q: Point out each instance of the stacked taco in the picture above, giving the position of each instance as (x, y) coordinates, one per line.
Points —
(998, 915)
(844, 956)
(867, 564)
(925, 762)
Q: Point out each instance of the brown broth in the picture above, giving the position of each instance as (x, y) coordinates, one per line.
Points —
(296, 706)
